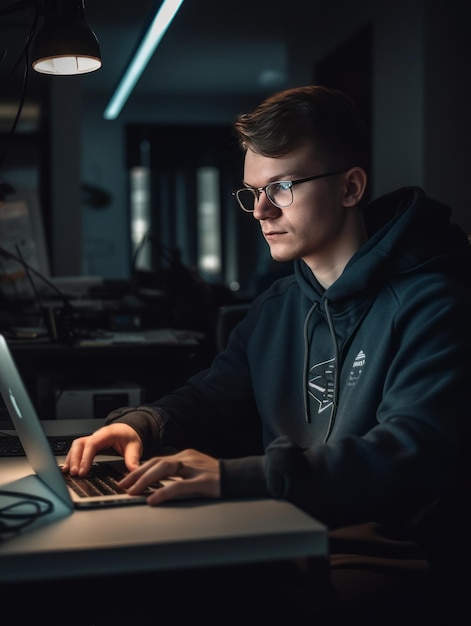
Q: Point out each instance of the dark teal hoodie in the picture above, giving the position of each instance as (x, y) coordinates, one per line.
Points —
(350, 402)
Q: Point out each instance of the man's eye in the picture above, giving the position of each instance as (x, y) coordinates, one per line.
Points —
(282, 186)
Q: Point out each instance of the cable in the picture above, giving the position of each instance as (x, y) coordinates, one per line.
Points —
(6, 254)
(31, 281)
(167, 253)
(13, 519)
(24, 54)
(63, 323)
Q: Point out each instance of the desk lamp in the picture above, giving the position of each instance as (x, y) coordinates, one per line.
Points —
(65, 45)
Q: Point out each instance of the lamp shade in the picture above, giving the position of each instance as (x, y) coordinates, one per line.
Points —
(65, 44)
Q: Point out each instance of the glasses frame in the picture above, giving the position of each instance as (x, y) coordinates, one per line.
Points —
(258, 190)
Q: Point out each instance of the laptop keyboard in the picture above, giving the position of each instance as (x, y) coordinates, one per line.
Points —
(101, 480)
(10, 445)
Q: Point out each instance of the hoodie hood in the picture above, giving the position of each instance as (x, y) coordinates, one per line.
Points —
(408, 232)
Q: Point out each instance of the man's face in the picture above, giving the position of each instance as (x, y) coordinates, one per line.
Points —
(313, 227)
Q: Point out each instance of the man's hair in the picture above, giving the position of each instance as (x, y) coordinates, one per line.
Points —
(326, 118)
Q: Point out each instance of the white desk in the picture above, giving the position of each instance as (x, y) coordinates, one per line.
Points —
(175, 535)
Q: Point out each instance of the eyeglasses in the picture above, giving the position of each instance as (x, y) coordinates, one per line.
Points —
(279, 192)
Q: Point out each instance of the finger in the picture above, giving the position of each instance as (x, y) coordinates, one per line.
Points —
(89, 453)
(134, 475)
(74, 458)
(174, 490)
(150, 473)
(82, 453)
(132, 455)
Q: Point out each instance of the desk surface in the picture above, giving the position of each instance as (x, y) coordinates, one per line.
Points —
(182, 534)
(146, 339)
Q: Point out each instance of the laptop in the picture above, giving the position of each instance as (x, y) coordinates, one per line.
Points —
(96, 490)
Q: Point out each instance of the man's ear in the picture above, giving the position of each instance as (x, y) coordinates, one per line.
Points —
(355, 185)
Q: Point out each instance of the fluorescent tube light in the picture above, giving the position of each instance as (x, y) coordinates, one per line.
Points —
(146, 49)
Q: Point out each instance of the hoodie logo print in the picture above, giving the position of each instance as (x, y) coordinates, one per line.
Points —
(357, 369)
(321, 384)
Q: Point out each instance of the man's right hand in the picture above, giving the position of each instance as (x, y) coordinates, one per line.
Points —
(121, 437)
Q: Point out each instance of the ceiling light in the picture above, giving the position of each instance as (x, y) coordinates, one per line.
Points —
(65, 44)
(146, 49)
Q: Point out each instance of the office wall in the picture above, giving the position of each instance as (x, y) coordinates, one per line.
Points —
(398, 96)
(421, 122)
(447, 106)
(422, 101)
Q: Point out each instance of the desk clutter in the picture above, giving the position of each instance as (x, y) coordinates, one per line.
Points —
(86, 345)
(81, 318)
(70, 309)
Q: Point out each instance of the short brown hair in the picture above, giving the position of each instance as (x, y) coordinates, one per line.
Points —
(325, 117)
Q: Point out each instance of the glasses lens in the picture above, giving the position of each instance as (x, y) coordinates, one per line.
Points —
(280, 193)
(246, 198)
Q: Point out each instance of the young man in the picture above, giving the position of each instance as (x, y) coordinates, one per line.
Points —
(344, 390)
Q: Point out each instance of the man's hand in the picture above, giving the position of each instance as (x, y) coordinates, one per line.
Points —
(193, 474)
(121, 437)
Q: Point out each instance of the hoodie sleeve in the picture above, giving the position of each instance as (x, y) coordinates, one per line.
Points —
(205, 413)
(272, 475)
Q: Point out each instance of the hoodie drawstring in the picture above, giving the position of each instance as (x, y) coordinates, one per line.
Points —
(307, 413)
(335, 390)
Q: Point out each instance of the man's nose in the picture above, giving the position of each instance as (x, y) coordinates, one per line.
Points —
(264, 208)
